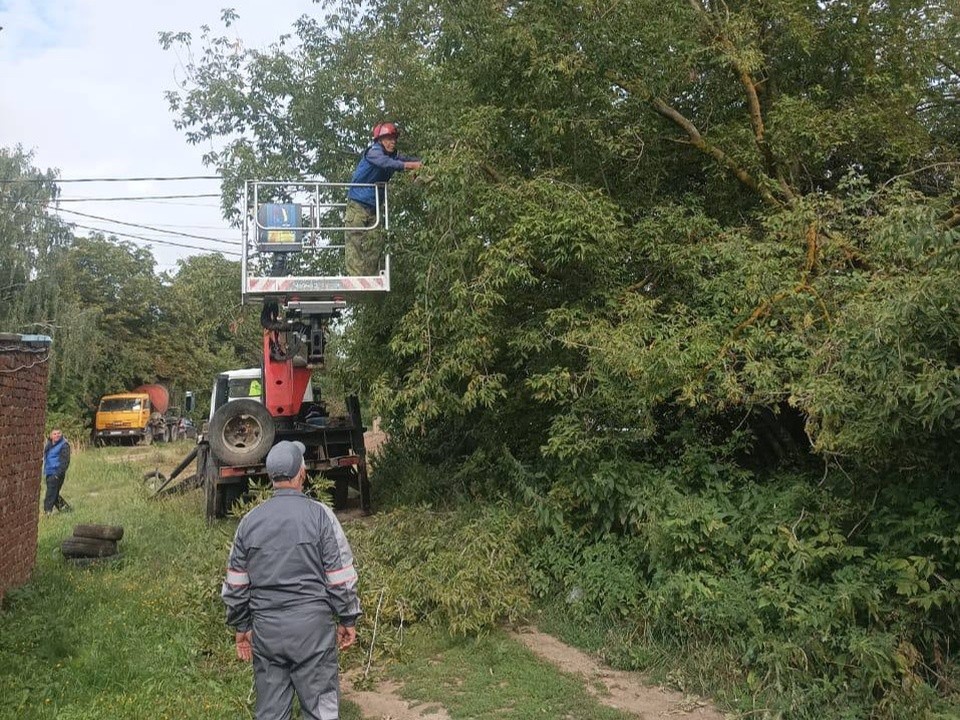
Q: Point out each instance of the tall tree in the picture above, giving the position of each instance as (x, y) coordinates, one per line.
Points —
(661, 213)
(108, 314)
(28, 237)
(203, 329)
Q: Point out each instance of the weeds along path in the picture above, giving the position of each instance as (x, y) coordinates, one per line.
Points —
(624, 691)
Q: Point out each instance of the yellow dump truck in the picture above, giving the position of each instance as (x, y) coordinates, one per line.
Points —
(142, 415)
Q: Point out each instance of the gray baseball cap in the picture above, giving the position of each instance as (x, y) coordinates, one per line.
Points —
(285, 459)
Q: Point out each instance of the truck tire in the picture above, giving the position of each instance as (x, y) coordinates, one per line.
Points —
(241, 432)
(80, 547)
(98, 532)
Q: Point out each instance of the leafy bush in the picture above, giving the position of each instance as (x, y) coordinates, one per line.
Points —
(461, 570)
(72, 426)
(825, 600)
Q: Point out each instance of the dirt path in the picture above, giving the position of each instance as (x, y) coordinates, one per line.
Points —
(385, 703)
(133, 454)
(615, 688)
(624, 691)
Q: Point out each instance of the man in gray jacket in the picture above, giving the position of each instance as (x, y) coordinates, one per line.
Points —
(291, 594)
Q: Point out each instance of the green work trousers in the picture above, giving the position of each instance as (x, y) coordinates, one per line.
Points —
(363, 247)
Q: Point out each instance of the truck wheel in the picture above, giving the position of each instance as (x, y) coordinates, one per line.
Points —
(241, 432)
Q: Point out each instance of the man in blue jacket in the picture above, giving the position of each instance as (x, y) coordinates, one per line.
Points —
(377, 165)
(56, 460)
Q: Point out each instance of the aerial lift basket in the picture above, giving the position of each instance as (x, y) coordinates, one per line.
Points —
(294, 242)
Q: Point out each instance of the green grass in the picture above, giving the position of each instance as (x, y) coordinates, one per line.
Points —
(492, 677)
(140, 636)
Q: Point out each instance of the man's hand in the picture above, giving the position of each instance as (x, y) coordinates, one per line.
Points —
(412, 165)
(346, 636)
(244, 649)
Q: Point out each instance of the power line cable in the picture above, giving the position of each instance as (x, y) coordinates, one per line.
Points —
(146, 200)
(179, 204)
(195, 227)
(148, 227)
(136, 197)
(153, 240)
(108, 231)
(169, 178)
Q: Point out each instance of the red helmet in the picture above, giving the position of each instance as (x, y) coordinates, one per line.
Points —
(385, 129)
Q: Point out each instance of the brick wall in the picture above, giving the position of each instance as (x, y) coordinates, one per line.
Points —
(23, 402)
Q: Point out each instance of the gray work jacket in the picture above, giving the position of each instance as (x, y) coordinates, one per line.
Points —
(289, 551)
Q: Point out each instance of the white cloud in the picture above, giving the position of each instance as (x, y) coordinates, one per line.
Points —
(82, 83)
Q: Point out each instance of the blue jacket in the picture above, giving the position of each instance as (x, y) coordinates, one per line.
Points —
(376, 166)
(56, 457)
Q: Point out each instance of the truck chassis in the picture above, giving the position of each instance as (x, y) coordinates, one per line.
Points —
(334, 450)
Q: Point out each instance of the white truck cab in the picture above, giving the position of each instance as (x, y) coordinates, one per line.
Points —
(245, 383)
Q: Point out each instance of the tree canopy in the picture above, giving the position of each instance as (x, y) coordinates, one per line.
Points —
(638, 215)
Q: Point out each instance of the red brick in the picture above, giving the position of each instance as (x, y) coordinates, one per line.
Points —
(23, 401)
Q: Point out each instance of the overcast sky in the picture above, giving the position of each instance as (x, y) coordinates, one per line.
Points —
(82, 84)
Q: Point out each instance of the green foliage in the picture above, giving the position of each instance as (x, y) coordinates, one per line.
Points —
(665, 254)
(461, 571)
(72, 428)
(826, 605)
(30, 237)
(258, 492)
(624, 220)
(115, 323)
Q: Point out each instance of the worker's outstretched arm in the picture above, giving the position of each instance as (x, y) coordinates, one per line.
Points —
(376, 156)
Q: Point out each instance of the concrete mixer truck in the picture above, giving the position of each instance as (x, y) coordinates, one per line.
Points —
(143, 415)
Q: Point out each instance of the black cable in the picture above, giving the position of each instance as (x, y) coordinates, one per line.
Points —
(152, 240)
(113, 179)
(135, 197)
(147, 227)
(154, 199)
(10, 371)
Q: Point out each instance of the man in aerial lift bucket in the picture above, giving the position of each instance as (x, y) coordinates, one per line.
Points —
(377, 165)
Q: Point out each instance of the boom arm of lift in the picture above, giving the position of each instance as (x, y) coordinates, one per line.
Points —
(298, 303)
(291, 348)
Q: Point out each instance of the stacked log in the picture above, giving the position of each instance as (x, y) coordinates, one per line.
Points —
(92, 541)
